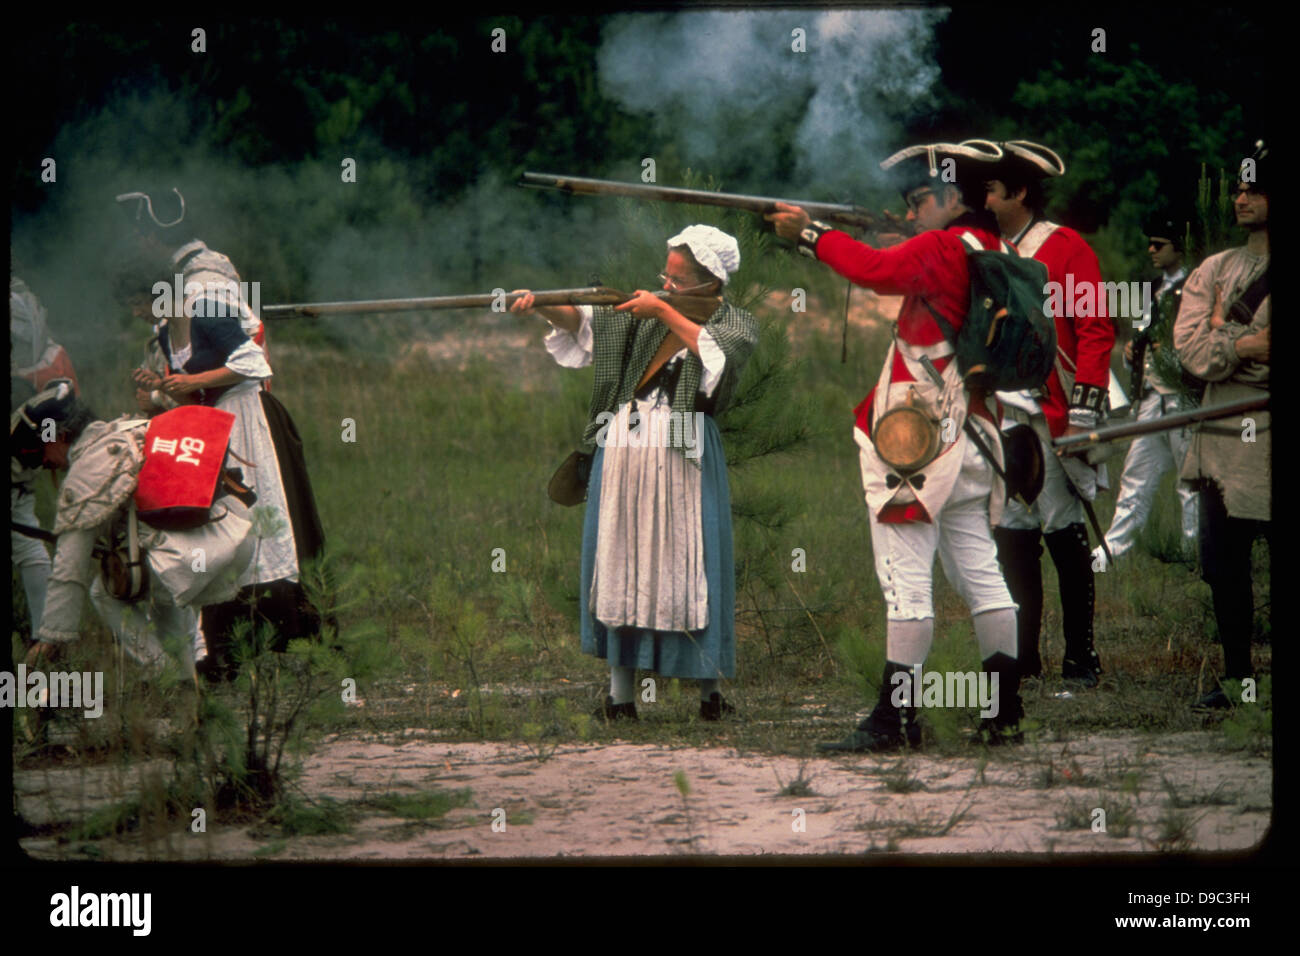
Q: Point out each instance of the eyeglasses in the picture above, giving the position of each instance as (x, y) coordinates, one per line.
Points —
(914, 200)
(676, 286)
(1158, 244)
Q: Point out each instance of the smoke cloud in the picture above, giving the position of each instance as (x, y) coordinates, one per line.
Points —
(729, 89)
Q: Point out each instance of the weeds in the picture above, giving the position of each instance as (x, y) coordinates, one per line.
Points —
(426, 805)
(898, 779)
(1081, 814)
(920, 826)
(298, 816)
(1250, 724)
(800, 786)
(1175, 831)
(543, 737)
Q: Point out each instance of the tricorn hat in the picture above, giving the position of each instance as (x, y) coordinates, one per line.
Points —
(923, 164)
(56, 402)
(1031, 160)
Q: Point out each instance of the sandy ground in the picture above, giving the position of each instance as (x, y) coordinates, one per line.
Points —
(621, 800)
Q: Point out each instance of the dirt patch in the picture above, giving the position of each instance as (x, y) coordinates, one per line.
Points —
(1158, 793)
(868, 312)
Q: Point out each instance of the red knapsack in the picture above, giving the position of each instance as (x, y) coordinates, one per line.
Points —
(184, 453)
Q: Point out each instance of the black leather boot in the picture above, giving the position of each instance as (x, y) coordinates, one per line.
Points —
(1019, 554)
(1005, 727)
(715, 707)
(887, 727)
(1073, 560)
(612, 711)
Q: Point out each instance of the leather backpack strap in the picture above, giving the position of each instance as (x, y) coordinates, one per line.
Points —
(1243, 309)
(671, 345)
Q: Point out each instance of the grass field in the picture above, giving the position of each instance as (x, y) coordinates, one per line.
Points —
(455, 438)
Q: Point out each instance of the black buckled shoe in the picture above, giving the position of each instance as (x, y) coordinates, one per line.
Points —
(612, 711)
(715, 707)
(1004, 728)
(1084, 670)
(1213, 701)
(885, 730)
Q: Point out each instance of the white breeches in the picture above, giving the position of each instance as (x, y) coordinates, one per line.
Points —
(960, 532)
(139, 626)
(24, 551)
(1056, 507)
(1148, 458)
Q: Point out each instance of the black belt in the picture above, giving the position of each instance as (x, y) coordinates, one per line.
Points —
(187, 259)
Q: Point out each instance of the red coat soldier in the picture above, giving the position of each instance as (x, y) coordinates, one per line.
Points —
(1073, 399)
(944, 504)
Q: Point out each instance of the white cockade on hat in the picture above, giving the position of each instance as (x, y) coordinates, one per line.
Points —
(712, 248)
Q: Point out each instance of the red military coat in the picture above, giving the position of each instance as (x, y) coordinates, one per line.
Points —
(1086, 340)
(929, 268)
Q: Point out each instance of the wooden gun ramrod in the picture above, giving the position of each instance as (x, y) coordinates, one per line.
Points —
(839, 213)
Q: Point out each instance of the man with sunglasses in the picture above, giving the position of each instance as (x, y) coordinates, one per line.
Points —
(1223, 335)
(1150, 456)
(944, 506)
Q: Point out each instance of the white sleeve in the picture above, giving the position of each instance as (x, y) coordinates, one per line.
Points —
(714, 362)
(572, 349)
(249, 361)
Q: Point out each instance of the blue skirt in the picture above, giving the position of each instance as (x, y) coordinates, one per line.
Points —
(704, 654)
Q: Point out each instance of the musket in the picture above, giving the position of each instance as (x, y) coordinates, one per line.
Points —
(697, 308)
(1163, 423)
(840, 213)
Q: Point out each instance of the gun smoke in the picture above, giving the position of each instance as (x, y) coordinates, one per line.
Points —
(721, 84)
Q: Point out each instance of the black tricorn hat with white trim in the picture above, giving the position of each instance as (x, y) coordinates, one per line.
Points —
(1168, 223)
(920, 165)
(1030, 160)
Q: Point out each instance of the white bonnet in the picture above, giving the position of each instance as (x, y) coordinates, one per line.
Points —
(712, 248)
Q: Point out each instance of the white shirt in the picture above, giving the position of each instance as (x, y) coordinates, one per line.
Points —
(574, 350)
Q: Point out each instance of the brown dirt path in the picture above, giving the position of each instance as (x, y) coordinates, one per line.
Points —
(620, 800)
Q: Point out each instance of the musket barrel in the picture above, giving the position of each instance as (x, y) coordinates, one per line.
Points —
(1163, 423)
(591, 295)
(842, 213)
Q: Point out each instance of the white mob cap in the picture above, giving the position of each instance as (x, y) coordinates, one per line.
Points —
(712, 248)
